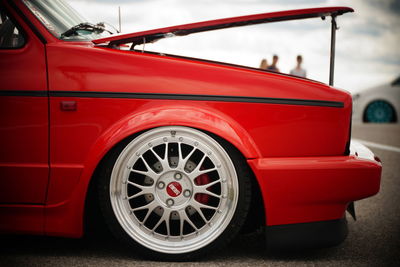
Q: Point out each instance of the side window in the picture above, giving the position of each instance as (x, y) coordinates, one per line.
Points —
(10, 35)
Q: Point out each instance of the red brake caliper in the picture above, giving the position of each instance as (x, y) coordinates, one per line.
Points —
(202, 180)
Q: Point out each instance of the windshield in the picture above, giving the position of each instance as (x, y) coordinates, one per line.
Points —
(59, 17)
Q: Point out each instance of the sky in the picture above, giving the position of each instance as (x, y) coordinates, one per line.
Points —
(367, 45)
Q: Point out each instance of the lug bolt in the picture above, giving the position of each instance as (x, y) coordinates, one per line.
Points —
(161, 185)
(178, 176)
(187, 193)
(170, 202)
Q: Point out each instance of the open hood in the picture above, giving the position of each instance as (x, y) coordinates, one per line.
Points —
(181, 30)
(185, 29)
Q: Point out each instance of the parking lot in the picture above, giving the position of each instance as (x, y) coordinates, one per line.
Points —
(374, 239)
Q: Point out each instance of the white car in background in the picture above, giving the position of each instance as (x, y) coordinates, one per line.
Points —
(380, 104)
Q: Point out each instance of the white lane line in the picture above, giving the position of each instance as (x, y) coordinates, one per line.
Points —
(380, 146)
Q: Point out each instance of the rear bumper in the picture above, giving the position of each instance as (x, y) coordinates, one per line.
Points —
(312, 189)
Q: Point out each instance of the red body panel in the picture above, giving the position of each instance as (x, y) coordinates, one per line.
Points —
(22, 219)
(100, 123)
(290, 147)
(23, 121)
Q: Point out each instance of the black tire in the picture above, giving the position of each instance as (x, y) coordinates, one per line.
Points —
(122, 233)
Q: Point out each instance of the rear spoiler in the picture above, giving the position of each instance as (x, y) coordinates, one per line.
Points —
(186, 29)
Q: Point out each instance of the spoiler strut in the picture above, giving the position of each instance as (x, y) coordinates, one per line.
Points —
(334, 28)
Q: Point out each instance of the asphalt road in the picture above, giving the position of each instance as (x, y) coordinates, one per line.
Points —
(374, 239)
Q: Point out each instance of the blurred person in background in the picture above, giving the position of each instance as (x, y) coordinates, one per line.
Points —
(264, 64)
(298, 70)
(273, 66)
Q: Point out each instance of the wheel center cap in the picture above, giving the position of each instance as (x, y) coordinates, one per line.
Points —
(174, 189)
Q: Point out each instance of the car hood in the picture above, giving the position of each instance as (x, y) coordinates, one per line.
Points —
(185, 29)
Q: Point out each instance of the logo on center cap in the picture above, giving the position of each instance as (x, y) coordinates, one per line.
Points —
(174, 189)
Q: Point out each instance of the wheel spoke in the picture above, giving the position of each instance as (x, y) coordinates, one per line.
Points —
(200, 212)
(149, 211)
(144, 188)
(197, 205)
(186, 159)
(197, 172)
(150, 172)
(163, 161)
(166, 217)
(160, 221)
(211, 194)
(150, 205)
(181, 162)
(146, 173)
(182, 222)
(201, 162)
(137, 194)
(183, 217)
(189, 155)
(203, 188)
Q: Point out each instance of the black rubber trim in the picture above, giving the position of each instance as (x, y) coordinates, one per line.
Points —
(306, 235)
(24, 93)
(222, 98)
(27, 21)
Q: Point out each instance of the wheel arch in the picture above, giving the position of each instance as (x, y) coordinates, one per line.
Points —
(256, 216)
(72, 211)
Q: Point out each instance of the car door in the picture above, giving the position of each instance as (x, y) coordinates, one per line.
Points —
(24, 117)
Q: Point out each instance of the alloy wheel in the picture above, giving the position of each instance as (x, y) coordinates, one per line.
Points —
(174, 189)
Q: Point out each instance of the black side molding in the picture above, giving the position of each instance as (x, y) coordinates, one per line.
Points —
(306, 235)
(24, 93)
(222, 98)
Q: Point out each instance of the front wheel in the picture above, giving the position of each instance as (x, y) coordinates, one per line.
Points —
(175, 193)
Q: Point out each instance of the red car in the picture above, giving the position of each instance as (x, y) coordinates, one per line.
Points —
(178, 153)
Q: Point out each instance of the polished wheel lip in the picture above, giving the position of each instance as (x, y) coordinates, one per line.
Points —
(213, 228)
